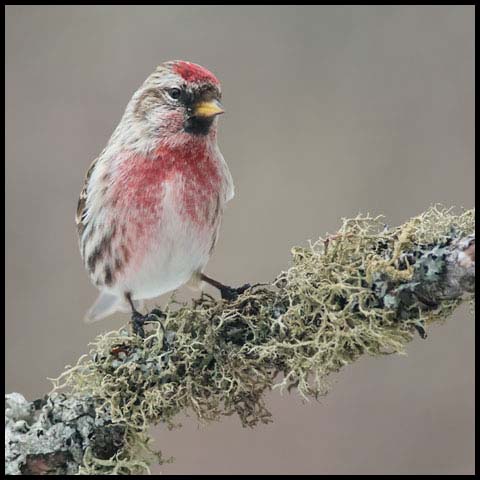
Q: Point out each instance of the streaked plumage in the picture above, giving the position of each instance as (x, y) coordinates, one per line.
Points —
(150, 209)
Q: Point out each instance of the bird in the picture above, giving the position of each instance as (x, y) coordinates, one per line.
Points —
(150, 209)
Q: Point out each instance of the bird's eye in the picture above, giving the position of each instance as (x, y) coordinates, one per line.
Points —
(174, 93)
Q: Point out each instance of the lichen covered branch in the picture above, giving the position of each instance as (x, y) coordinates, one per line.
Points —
(368, 289)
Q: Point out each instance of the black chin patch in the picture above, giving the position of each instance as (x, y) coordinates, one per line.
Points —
(198, 125)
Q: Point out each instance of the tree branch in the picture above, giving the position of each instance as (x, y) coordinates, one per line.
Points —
(366, 289)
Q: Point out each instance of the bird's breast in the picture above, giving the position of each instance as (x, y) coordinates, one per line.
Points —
(182, 183)
(163, 211)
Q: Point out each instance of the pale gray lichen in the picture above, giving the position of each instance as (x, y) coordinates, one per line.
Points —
(365, 290)
(57, 424)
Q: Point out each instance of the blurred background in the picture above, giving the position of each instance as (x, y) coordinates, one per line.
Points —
(331, 111)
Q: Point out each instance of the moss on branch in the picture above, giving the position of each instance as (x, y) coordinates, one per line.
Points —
(368, 289)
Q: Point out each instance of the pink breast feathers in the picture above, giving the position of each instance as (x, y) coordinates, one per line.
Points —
(142, 182)
(194, 73)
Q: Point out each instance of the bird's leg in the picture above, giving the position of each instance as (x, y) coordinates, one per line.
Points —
(227, 293)
(138, 320)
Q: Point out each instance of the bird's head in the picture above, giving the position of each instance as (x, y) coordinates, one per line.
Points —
(180, 99)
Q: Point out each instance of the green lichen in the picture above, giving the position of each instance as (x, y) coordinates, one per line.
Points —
(343, 296)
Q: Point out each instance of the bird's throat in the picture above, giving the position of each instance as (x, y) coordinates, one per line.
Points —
(198, 126)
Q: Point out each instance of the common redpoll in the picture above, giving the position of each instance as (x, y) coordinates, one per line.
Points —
(150, 209)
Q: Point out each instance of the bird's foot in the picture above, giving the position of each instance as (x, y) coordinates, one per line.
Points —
(156, 314)
(139, 320)
(230, 293)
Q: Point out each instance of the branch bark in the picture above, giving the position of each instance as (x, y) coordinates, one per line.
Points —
(362, 290)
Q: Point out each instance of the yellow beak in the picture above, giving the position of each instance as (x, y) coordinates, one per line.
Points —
(208, 109)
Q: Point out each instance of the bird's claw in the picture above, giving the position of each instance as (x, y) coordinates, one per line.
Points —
(156, 315)
(139, 320)
(230, 293)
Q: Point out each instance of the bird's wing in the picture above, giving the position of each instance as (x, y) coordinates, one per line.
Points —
(82, 210)
(229, 189)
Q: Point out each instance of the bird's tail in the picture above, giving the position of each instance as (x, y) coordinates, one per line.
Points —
(106, 304)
